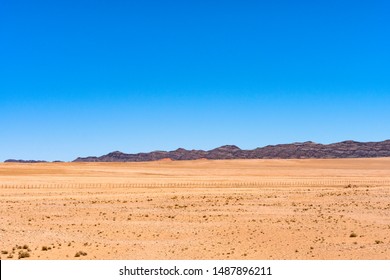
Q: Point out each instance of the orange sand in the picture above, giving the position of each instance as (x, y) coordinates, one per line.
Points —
(227, 209)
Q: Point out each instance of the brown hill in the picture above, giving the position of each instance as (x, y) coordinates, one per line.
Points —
(345, 149)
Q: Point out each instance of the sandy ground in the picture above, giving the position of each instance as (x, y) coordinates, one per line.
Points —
(234, 209)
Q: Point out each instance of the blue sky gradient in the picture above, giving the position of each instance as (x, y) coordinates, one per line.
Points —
(81, 78)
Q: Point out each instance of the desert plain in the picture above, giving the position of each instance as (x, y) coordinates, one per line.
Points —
(202, 209)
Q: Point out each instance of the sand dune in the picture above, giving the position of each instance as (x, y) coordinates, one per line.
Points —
(226, 209)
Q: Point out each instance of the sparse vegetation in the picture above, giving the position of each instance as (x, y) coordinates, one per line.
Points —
(23, 255)
(80, 253)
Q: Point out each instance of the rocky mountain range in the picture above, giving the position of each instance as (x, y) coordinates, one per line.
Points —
(345, 149)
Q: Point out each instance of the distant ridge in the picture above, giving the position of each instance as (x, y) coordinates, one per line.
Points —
(25, 161)
(29, 161)
(345, 149)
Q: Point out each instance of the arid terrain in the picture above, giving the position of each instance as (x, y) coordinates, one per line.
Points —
(200, 209)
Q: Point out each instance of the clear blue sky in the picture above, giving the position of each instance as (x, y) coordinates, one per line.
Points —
(81, 78)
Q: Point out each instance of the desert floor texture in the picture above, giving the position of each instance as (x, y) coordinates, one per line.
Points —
(225, 209)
